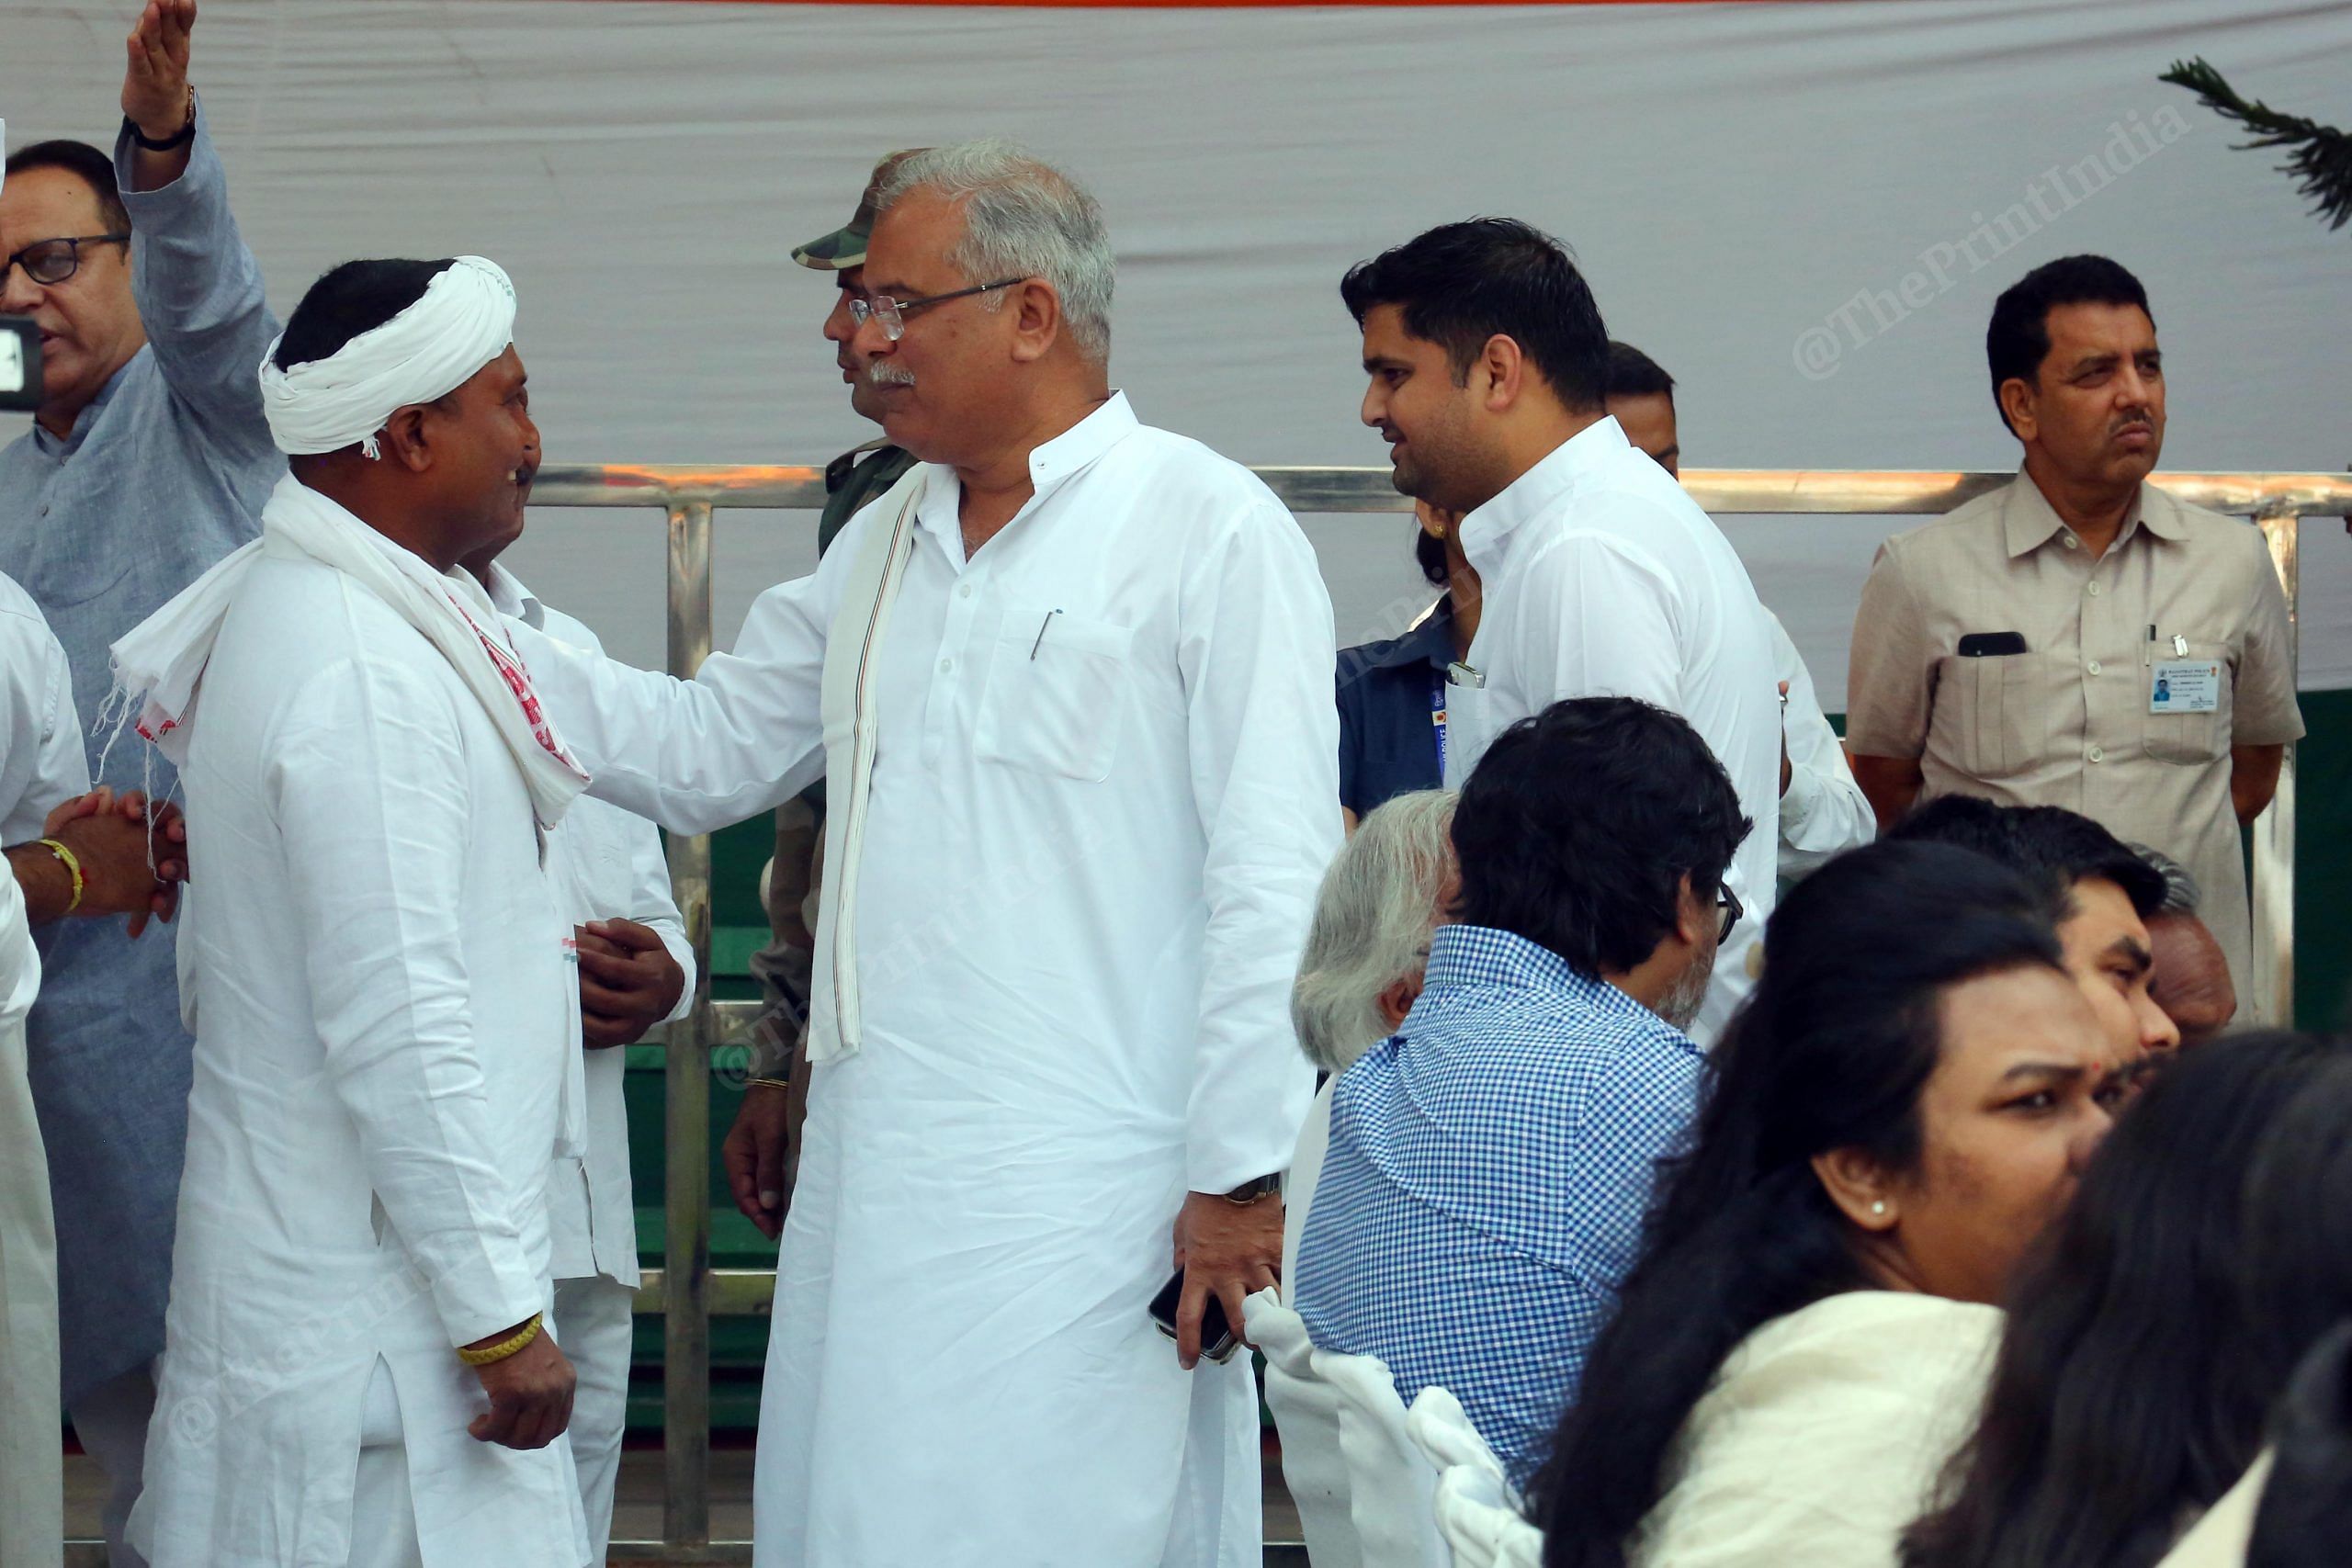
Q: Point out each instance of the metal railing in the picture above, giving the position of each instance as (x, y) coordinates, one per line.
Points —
(686, 1291)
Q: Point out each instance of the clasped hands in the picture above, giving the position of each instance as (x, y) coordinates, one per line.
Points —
(133, 860)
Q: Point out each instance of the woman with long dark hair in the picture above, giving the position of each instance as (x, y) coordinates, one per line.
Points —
(1902, 1108)
(2148, 1342)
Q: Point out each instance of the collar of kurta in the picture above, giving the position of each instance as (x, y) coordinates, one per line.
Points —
(1536, 492)
(512, 599)
(1050, 464)
(89, 418)
(2029, 522)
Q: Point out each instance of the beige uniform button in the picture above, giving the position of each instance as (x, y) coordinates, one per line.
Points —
(2094, 590)
(2093, 667)
(2097, 755)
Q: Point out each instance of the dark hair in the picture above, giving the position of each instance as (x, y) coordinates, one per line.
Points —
(2133, 1382)
(2052, 847)
(1832, 1050)
(1578, 825)
(356, 298)
(2018, 340)
(1633, 374)
(1429, 554)
(1462, 284)
(2306, 1514)
(96, 169)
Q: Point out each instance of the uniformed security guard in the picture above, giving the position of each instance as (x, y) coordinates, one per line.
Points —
(758, 1150)
(2079, 637)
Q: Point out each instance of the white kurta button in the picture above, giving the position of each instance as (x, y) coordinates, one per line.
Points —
(2093, 667)
(946, 665)
(964, 592)
(2072, 543)
(2097, 755)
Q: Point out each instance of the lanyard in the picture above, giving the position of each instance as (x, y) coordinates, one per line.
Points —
(1437, 722)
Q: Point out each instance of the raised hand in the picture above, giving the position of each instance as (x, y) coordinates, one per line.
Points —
(154, 84)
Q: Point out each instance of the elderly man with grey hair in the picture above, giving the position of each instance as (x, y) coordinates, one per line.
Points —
(1068, 683)
(1361, 969)
(2191, 979)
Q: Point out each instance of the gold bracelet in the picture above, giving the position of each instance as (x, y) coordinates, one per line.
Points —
(504, 1348)
(73, 868)
(767, 1083)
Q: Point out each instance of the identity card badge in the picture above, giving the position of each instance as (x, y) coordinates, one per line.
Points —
(2186, 685)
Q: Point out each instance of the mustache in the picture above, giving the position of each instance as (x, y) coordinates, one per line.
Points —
(2133, 421)
(882, 373)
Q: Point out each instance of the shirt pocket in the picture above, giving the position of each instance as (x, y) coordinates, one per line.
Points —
(1057, 693)
(1996, 713)
(2190, 738)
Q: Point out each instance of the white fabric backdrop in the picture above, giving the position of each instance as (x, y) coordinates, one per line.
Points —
(1731, 176)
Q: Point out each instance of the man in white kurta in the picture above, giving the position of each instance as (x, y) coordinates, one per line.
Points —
(385, 1020)
(1075, 831)
(603, 864)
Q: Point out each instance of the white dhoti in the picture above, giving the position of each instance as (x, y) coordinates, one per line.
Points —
(962, 1370)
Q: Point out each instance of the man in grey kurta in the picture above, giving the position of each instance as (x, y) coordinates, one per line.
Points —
(131, 483)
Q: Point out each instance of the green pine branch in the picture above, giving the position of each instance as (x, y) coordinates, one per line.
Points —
(2321, 160)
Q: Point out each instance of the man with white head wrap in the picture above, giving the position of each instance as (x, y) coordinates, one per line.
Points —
(1070, 683)
(355, 1366)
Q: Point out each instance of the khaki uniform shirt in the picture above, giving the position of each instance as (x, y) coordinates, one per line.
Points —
(2068, 722)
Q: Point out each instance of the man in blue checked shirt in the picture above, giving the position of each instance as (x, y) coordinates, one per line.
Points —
(1491, 1164)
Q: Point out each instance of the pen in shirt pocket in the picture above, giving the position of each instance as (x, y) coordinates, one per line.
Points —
(2149, 656)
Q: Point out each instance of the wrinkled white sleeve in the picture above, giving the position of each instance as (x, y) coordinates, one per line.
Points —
(1599, 618)
(369, 789)
(745, 735)
(651, 902)
(1823, 812)
(42, 764)
(1258, 656)
(1596, 618)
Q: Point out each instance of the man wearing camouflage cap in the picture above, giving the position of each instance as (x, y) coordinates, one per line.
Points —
(757, 1150)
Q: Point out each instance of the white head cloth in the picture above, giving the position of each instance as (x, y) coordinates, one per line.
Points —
(465, 320)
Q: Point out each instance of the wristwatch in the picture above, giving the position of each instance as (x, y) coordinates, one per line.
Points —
(1251, 1191)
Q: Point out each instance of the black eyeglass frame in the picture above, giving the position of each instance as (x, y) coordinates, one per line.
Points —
(1733, 910)
(73, 244)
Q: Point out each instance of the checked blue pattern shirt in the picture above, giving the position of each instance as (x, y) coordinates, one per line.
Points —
(1489, 1171)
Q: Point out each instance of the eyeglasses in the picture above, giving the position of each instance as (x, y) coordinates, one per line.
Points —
(54, 261)
(1728, 902)
(893, 313)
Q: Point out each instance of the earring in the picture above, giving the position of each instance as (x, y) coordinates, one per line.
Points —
(1878, 1208)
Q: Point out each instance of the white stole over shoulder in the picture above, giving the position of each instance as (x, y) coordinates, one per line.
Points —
(852, 719)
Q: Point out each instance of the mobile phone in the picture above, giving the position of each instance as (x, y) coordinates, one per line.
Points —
(1991, 645)
(1218, 1342)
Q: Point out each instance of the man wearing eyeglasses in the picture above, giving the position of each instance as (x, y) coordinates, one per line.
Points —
(147, 462)
(1070, 683)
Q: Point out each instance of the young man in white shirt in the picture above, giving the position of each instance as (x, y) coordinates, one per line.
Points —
(1488, 368)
